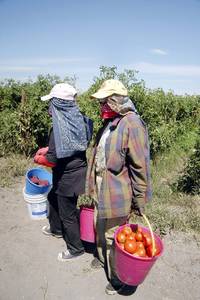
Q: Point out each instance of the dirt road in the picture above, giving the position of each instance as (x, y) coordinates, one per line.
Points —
(29, 268)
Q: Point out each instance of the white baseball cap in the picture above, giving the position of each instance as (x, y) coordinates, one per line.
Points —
(61, 90)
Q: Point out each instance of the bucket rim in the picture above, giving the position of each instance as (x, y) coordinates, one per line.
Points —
(138, 257)
(38, 169)
(35, 195)
(83, 207)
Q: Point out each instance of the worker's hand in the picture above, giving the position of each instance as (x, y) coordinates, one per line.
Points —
(38, 159)
(42, 151)
(136, 209)
(42, 160)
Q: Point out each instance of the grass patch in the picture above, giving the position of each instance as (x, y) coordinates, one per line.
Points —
(13, 167)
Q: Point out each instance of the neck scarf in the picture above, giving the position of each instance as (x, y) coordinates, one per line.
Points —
(121, 104)
(69, 128)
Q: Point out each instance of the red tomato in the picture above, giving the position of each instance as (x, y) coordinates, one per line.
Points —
(126, 230)
(139, 236)
(149, 250)
(139, 245)
(140, 252)
(121, 245)
(131, 236)
(130, 246)
(139, 229)
(147, 241)
(121, 237)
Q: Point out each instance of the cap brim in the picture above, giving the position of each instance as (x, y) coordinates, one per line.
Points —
(46, 98)
(101, 95)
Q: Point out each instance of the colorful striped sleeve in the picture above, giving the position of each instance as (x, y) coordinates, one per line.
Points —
(137, 161)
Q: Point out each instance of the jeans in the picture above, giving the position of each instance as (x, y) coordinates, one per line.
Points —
(63, 219)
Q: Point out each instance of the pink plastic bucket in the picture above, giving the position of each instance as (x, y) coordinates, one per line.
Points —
(87, 232)
(130, 269)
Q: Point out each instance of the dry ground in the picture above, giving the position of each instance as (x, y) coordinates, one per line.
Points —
(29, 268)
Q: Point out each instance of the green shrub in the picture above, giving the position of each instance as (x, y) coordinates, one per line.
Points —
(24, 122)
(189, 182)
(167, 116)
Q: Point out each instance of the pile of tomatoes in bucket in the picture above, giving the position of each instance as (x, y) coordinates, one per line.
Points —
(137, 242)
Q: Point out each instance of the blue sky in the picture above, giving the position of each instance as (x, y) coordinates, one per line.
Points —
(160, 39)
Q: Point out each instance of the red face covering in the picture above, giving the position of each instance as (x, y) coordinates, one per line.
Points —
(107, 112)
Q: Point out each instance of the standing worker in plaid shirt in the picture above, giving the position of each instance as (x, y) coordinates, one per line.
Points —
(118, 177)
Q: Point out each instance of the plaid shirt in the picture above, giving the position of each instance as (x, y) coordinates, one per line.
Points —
(126, 179)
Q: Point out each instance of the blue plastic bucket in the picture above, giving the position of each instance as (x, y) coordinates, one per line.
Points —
(34, 189)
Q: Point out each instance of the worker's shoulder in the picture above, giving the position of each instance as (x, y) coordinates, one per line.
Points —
(132, 119)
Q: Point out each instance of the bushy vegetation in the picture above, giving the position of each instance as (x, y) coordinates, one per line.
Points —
(189, 181)
(24, 122)
(168, 116)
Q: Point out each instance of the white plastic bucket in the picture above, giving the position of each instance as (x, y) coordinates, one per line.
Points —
(37, 205)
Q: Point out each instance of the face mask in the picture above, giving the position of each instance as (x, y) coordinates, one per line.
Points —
(107, 112)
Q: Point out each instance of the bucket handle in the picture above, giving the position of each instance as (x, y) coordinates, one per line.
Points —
(151, 232)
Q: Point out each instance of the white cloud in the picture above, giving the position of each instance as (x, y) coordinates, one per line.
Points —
(58, 60)
(45, 61)
(158, 51)
(176, 70)
(17, 68)
(41, 64)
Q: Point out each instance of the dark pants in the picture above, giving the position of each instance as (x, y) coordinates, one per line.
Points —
(63, 219)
